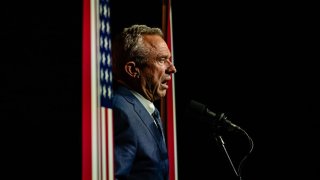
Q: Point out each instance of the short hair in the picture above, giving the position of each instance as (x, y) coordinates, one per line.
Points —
(128, 46)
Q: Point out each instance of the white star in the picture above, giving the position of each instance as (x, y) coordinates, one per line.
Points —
(101, 42)
(103, 58)
(109, 59)
(100, 90)
(100, 9)
(106, 42)
(108, 12)
(105, 10)
(109, 92)
(101, 74)
(104, 91)
(108, 28)
(102, 26)
(106, 77)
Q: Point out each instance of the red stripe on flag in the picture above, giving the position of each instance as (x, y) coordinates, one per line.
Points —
(86, 91)
(171, 129)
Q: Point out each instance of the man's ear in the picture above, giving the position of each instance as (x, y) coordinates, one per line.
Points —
(132, 70)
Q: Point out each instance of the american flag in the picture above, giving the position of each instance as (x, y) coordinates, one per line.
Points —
(97, 132)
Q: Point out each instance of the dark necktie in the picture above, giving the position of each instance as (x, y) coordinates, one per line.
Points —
(156, 116)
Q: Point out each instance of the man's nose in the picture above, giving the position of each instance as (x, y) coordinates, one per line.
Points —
(171, 68)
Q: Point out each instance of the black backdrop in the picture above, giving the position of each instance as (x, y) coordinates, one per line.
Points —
(254, 62)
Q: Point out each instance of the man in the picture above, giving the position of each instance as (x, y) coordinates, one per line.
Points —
(141, 68)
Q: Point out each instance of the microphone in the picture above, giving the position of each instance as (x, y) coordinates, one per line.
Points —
(218, 120)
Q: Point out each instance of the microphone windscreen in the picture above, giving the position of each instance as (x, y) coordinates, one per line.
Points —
(197, 108)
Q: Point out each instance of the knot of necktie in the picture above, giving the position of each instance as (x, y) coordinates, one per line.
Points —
(156, 114)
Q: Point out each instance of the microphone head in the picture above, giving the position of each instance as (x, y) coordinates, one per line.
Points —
(218, 121)
(197, 107)
(199, 111)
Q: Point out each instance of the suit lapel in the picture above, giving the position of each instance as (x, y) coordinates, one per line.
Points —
(145, 117)
(142, 112)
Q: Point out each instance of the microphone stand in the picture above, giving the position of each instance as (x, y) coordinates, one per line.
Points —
(221, 142)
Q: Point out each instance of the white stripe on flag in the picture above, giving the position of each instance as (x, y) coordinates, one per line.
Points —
(94, 91)
(104, 151)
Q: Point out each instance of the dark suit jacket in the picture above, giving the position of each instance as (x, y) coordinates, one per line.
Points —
(140, 152)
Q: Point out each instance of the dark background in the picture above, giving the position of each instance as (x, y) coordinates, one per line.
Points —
(255, 62)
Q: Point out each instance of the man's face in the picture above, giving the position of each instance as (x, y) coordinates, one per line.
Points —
(157, 71)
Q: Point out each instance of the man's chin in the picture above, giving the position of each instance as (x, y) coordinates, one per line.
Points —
(163, 93)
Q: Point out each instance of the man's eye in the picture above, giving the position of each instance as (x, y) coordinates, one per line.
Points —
(162, 60)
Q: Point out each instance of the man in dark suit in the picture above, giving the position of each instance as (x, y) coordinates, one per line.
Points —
(141, 68)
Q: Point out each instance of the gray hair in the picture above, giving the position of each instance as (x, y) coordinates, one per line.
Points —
(129, 46)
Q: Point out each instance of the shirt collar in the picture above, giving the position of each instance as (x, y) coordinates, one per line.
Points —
(145, 102)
